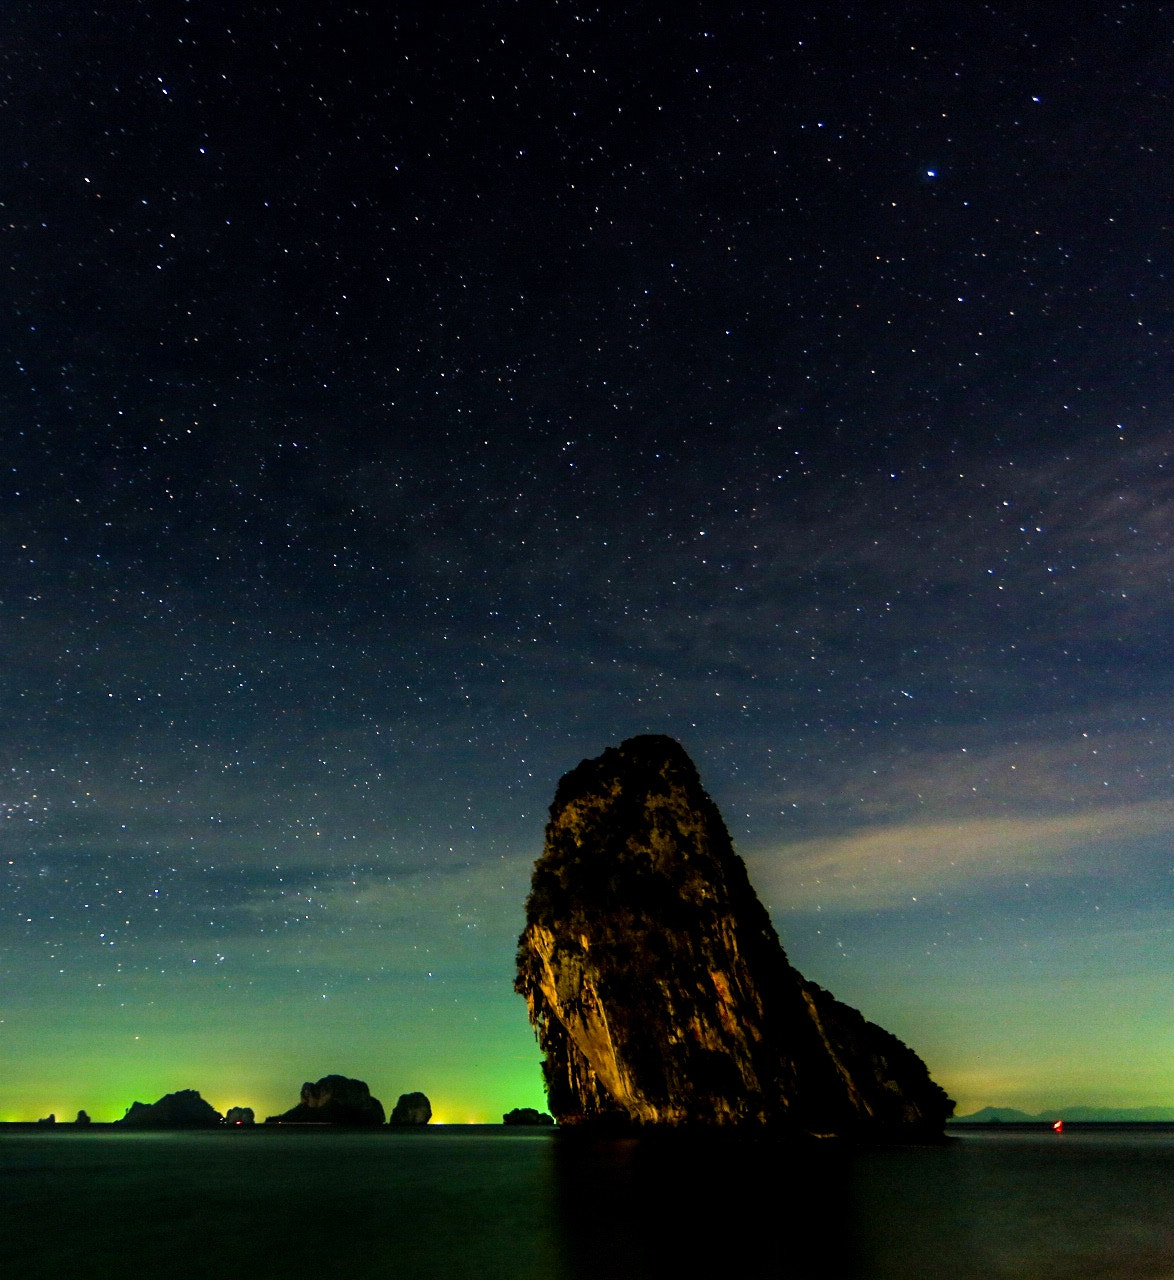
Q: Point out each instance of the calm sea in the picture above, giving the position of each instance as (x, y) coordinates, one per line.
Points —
(532, 1205)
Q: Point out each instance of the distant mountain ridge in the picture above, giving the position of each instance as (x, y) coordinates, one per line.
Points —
(1103, 1115)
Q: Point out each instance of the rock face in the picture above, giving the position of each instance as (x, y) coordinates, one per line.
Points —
(240, 1116)
(333, 1100)
(657, 986)
(182, 1110)
(411, 1108)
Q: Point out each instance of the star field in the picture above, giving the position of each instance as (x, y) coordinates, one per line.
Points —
(399, 407)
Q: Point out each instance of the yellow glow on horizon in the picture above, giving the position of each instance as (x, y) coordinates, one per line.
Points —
(483, 1101)
(33, 1108)
(462, 1113)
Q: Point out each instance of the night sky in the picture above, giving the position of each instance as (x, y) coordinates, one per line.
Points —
(398, 409)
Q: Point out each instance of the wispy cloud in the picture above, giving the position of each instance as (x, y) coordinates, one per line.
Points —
(1104, 757)
(887, 866)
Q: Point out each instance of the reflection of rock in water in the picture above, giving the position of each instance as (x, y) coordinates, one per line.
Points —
(703, 1204)
(657, 985)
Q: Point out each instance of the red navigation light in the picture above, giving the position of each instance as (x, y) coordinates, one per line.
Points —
(1058, 1127)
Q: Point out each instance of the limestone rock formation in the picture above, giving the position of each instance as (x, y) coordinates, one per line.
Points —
(527, 1116)
(240, 1116)
(182, 1110)
(658, 988)
(333, 1100)
(83, 1119)
(411, 1108)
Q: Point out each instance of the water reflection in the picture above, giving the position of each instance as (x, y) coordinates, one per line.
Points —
(698, 1206)
(497, 1205)
(1097, 1205)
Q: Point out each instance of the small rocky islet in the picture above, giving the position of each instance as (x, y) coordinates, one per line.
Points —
(333, 1100)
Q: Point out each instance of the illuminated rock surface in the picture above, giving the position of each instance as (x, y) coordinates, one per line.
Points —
(659, 990)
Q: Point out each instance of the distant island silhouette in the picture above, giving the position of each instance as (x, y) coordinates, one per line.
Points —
(1077, 1115)
(334, 1100)
(184, 1109)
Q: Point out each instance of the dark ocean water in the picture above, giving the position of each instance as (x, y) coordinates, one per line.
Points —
(533, 1205)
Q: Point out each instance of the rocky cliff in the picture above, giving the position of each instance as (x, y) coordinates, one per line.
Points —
(658, 989)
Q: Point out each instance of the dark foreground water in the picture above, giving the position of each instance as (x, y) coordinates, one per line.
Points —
(532, 1205)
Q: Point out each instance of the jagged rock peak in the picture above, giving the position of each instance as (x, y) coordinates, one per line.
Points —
(658, 988)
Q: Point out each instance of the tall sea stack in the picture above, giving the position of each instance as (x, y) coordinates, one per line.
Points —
(658, 988)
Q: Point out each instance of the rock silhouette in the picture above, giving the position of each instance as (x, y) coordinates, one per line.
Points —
(527, 1116)
(240, 1116)
(182, 1110)
(658, 988)
(411, 1108)
(333, 1100)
